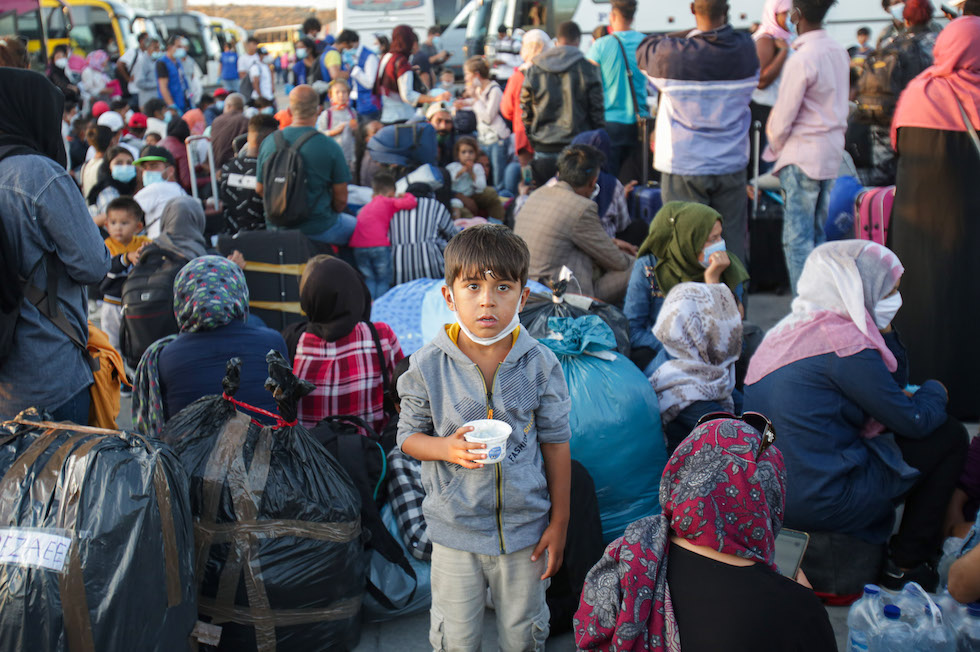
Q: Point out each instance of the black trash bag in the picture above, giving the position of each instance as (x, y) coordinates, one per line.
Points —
(561, 303)
(281, 562)
(96, 545)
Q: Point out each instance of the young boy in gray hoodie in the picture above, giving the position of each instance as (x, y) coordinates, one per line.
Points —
(489, 524)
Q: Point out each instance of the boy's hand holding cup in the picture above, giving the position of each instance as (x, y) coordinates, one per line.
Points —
(459, 451)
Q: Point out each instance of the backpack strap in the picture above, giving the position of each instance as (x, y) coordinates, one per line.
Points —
(302, 140)
(389, 407)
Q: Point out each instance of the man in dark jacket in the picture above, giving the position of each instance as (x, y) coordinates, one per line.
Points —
(562, 95)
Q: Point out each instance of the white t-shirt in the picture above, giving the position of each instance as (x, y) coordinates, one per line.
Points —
(261, 70)
(153, 199)
(245, 62)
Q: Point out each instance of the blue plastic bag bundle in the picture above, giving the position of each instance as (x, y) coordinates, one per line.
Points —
(615, 421)
(416, 311)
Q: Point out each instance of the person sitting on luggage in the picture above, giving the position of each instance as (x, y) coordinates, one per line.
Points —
(372, 248)
(339, 120)
(124, 220)
(700, 328)
(178, 132)
(489, 526)
(614, 214)
(326, 172)
(833, 377)
(471, 194)
(684, 245)
(211, 306)
(243, 206)
(419, 236)
(560, 224)
(710, 555)
(338, 349)
(157, 171)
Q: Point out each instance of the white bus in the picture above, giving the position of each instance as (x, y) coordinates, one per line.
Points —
(381, 16)
(843, 20)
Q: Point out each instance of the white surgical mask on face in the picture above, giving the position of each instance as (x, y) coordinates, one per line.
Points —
(61, 63)
(487, 341)
(897, 12)
(300, 53)
(886, 310)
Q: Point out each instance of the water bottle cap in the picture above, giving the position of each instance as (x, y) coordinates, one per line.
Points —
(973, 609)
(892, 612)
(871, 589)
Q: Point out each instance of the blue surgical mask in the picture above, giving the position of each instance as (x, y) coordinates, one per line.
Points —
(268, 110)
(791, 27)
(124, 173)
(348, 58)
(712, 249)
(167, 117)
(300, 53)
(180, 53)
(437, 43)
(219, 105)
(156, 55)
(152, 176)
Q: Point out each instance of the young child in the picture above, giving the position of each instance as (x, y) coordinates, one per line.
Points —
(471, 194)
(372, 248)
(153, 139)
(124, 219)
(806, 130)
(340, 121)
(489, 525)
(447, 81)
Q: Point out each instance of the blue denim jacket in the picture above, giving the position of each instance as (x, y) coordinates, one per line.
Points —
(643, 302)
(43, 212)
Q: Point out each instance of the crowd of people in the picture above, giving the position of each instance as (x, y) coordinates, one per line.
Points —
(408, 174)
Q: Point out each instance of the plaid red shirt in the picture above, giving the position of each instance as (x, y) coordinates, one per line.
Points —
(347, 375)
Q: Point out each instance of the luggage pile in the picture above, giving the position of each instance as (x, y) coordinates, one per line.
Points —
(280, 557)
(96, 545)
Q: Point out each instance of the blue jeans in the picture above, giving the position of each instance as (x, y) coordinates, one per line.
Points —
(339, 233)
(499, 154)
(512, 177)
(75, 409)
(375, 265)
(807, 201)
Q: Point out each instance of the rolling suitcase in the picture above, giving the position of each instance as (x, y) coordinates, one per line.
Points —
(873, 214)
(646, 199)
(767, 261)
(214, 219)
(275, 261)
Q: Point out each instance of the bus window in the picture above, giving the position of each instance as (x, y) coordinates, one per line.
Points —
(92, 28)
(562, 10)
(383, 5)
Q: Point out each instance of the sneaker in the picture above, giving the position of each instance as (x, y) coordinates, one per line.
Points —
(894, 578)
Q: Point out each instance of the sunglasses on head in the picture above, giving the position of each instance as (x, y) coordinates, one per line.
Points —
(758, 421)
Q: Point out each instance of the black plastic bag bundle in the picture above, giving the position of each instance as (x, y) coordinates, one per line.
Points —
(561, 303)
(281, 563)
(96, 545)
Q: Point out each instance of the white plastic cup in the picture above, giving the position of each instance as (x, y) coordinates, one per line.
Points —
(492, 432)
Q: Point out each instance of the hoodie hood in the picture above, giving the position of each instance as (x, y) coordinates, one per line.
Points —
(558, 59)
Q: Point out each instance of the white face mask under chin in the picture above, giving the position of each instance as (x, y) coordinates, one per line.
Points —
(487, 341)
(886, 310)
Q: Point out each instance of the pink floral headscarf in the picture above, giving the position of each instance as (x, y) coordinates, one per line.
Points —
(97, 60)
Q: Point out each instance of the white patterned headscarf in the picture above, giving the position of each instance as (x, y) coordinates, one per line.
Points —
(700, 327)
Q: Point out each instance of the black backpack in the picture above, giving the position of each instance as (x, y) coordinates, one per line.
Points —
(884, 76)
(148, 302)
(284, 182)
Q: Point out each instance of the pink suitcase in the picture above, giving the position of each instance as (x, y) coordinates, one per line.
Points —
(873, 214)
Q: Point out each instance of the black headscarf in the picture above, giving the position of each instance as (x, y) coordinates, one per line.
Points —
(106, 180)
(32, 111)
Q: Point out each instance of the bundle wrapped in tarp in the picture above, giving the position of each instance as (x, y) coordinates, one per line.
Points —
(96, 545)
(280, 555)
(558, 302)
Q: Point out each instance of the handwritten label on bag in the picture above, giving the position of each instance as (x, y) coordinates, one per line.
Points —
(34, 547)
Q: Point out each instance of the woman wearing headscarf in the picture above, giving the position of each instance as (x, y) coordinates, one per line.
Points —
(211, 307)
(611, 200)
(182, 228)
(934, 227)
(701, 330)
(95, 82)
(833, 377)
(177, 133)
(340, 351)
(684, 245)
(46, 228)
(58, 73)
(533, 43)
(401, 93)
(772, 43)
(702, 574)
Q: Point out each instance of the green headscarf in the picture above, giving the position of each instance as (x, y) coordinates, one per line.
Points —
(677, 236)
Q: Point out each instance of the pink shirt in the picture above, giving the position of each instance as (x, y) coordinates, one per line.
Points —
(374, 219)
(807, 124)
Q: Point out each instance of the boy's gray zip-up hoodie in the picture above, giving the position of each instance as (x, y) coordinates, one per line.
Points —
(499, 508)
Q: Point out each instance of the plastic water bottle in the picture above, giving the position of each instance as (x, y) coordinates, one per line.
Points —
(894, 635)
(968, 636)
(862, 619)
(934, 635)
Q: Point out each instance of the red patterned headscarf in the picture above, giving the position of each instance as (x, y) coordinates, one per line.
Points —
(714, 494)
(396, 63)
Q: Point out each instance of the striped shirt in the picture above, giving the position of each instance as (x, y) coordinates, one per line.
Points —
(418, 238)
